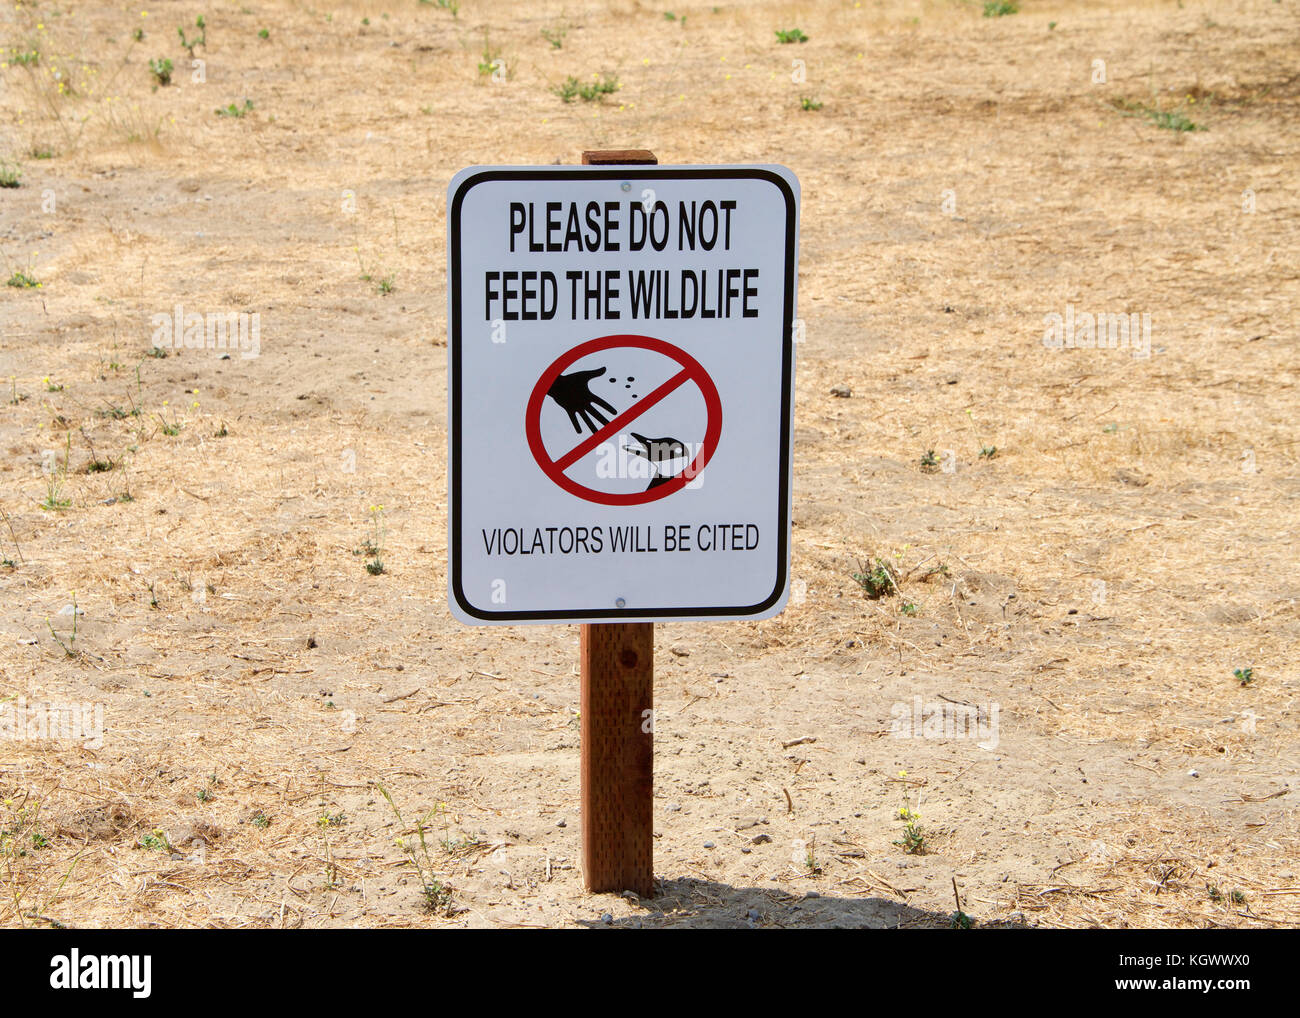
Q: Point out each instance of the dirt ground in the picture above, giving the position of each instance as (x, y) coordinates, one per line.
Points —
(1102, 550)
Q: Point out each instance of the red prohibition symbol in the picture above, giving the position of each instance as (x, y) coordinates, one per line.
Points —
(691, 371)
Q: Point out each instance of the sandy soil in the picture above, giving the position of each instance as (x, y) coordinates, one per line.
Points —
(1097, 581)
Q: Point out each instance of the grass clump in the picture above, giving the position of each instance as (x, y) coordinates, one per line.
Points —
(200, 40)
(435, 894)
(913, 836)
(232, 110)
(1168, 120)
(56, 477)
(594, 91)
(161, 70)
(374, 546)
(876, 582)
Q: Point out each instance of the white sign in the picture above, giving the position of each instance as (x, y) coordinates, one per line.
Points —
(620, 381)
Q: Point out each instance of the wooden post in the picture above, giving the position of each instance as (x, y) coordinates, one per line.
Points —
(617, 770)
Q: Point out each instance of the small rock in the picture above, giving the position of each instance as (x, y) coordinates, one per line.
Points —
(607, 919)
(561, 822)
(680, 650)
(842, 391)
(709, 844)
(753, 914)
(761, 839)
(674, 807)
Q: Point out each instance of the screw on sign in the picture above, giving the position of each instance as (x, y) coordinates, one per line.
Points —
(620, 397)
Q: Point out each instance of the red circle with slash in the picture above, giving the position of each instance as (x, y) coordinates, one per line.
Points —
(691, 371)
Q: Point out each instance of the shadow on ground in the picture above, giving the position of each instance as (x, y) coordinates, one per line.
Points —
(703, 904)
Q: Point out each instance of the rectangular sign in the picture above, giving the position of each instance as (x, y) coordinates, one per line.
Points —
(620, 386)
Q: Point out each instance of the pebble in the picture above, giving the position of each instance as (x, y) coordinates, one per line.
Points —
(709, 844)
(674, 807)
(607, 919)
(561, 822)
(842, 391)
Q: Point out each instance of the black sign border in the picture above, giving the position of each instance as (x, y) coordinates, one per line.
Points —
(638, 173)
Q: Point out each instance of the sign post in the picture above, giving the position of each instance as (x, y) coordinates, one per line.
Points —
(620, 388)
(617, 726)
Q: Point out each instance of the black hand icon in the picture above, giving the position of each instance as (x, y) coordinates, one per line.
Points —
(573, 393)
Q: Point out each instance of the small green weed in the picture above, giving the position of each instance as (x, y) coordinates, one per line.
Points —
(162, 70)
(202, 40)
(875, 582)
(913, 839)
(375, 546)
(437, 895)
(1169, 120)
(237, 112)
(595, 91)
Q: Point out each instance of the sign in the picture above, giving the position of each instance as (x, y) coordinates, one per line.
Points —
(620, 388)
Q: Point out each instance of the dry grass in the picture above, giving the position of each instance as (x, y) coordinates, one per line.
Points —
(242, 653)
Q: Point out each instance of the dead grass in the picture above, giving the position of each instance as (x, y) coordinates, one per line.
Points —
(240, 649)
